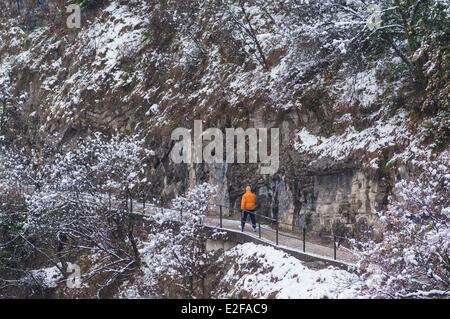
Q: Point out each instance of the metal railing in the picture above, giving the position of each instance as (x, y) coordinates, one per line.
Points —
(276, 222)
(159, 201)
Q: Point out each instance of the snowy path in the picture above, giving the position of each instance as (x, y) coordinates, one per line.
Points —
(268, 234)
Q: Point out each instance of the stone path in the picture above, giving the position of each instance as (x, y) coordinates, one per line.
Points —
(268, 234)
(285, 239)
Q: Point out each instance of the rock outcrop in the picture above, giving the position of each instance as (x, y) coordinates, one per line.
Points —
(147, 67)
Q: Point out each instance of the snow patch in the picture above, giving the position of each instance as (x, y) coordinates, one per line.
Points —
(283, 276)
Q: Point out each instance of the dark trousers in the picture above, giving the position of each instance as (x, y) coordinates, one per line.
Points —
(245, 215)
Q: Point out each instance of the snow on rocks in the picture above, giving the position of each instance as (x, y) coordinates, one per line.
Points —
(277, 275)
(363, 86)
(49, 277)
(384, 133)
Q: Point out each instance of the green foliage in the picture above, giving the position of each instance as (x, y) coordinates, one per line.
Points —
(417, 22)
(418, 32)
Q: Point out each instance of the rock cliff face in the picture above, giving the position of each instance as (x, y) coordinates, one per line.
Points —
(147, 67)
(349, 197)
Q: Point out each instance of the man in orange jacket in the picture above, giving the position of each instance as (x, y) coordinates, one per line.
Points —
(248, 206)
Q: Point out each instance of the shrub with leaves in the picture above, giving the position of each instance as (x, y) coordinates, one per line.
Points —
(418, 32)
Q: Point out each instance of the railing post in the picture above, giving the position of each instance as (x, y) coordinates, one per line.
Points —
(276, 227)
(304, 239)
(126, 199)
(143, 200)
(242, 217)
(181, 213)
(259, 226)
(334, 247)
(131, 204)
(220, 208)
(109, 201)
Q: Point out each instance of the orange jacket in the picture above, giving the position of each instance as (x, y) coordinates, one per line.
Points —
(248, 201)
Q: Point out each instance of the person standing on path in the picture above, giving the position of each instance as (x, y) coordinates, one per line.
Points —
(248, 206)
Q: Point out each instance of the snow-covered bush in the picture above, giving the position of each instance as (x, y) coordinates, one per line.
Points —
(98, 164)
(175, 255)
(68, 210)
(72, 201)
(16, 170)
(413, 259)
(196, 202)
